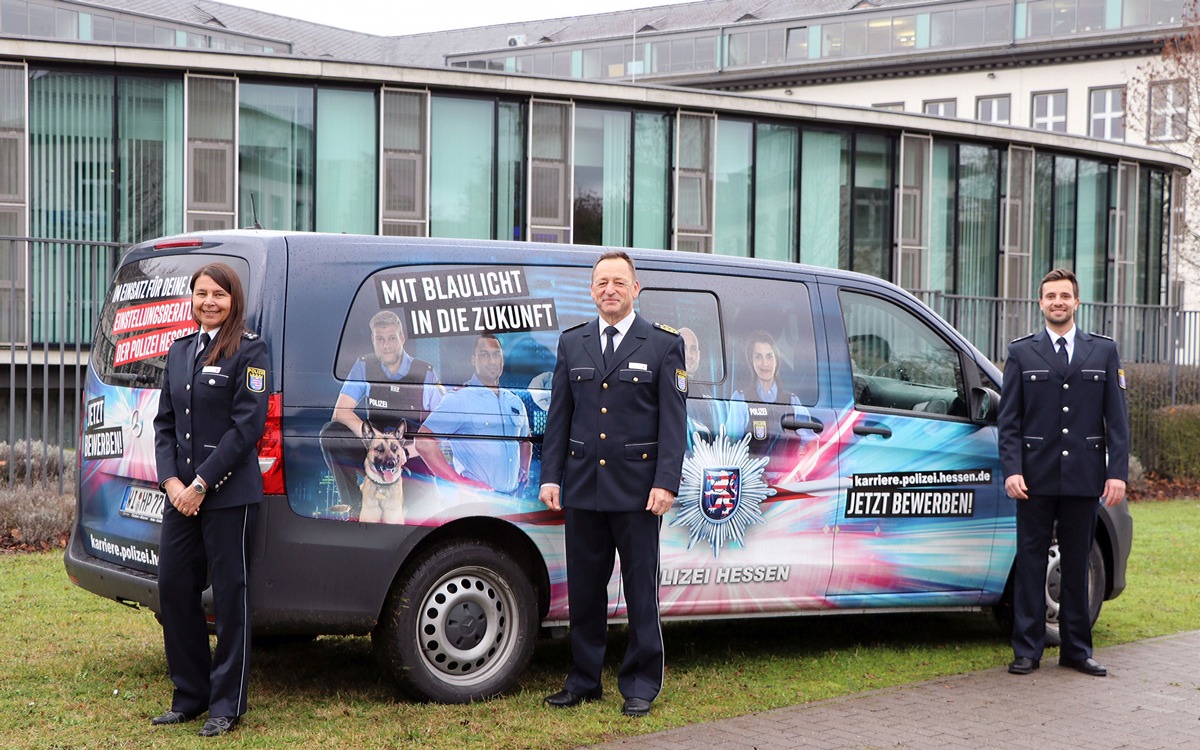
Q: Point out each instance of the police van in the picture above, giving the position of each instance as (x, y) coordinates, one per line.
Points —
(842, 451)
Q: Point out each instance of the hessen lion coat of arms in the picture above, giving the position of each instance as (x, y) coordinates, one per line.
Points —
(722, 491)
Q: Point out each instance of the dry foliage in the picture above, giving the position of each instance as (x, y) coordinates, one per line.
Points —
(34, 514)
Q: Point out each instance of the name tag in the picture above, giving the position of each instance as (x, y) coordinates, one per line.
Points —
(637, 366)
(211, 369)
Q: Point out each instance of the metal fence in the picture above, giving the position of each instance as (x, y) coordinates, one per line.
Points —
(51, 293)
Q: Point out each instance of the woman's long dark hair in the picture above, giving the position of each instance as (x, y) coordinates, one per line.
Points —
(229, 338)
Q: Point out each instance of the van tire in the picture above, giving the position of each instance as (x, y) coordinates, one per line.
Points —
(1097, 586)
(459, 624)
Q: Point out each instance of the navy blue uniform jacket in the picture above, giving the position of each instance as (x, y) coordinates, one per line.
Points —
(209, 423)
(1056, 425)
(613, 434)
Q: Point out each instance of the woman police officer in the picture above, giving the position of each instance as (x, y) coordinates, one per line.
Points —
(211, 415)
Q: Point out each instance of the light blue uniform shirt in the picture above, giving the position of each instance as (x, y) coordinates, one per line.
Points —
(475, 410)
(739, 411)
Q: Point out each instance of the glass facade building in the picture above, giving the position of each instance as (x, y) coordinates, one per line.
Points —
(180, 142)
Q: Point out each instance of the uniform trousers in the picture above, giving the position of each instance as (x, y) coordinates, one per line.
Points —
(592, 538)
(217, 540)
(1076, 528)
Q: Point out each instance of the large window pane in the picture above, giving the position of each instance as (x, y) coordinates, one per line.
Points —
(347, 156)
(824, 199)
(1064, 211)
(873, 182)
(510, 171)
(151, 153)
(1091, 241)
(602, 176)
(276, 156)
(651, 176)
(461, 169)
(978, 220)
(212, 115)
(776, 183)
(942, 216)
(734, 162)
(72, 170)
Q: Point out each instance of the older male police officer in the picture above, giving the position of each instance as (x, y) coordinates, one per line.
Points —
(1062, 414)
(612, 456)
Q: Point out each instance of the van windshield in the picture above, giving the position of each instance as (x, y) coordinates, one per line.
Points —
(149, 305)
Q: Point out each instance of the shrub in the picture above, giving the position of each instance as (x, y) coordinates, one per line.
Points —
(1176, 432)
(1150, 388)
(32, 509)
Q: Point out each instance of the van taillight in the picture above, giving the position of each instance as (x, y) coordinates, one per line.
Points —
(270, 447)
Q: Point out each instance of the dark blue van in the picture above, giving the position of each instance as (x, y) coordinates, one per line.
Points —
(858, 472)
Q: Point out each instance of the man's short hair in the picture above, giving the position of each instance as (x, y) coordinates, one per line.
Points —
(487, 337)
(1059, 274)
(387, 319)
(616, 255)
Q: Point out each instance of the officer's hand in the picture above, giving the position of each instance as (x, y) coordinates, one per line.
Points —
(1114, 492)
(660, 501)
(549, 496)
(1015, 487)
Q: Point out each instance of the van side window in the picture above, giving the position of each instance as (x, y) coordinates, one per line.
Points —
(772, 349)
(697, 317)
(898, 361)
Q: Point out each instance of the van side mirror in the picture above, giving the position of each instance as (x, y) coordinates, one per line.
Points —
(985, 404)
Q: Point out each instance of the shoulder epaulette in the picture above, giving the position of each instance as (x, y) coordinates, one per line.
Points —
(665, 327)
(1099, 335)
(577, 325)
(1022, 338)
(249, 335)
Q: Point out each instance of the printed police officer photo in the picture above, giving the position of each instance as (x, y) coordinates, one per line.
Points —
(211, 414)
(385, 399)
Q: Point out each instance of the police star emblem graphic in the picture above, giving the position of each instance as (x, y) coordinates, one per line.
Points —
(722, 491)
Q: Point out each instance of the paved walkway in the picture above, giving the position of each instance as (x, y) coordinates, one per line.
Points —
(1150, 699)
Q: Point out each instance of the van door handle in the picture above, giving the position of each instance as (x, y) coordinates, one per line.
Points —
(872, 428)
(792, 422)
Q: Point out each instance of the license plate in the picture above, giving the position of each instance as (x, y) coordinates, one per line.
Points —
(143, 503)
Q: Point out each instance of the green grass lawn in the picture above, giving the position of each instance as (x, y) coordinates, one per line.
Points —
(82, 672)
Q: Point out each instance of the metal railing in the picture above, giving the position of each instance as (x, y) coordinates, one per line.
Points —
(52, 291)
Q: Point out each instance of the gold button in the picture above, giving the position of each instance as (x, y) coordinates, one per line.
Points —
(604, 410)
(579, 377)
(635, 380)
(644, 455)
(604, 386)
(602, 462)
(603, 436)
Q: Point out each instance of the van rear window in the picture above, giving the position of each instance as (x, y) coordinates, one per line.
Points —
(149, 305)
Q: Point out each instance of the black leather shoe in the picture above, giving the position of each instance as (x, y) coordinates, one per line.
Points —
(1087, 666)
(636, 707)
(1023, 665)
(218, 725)
(567, 699)
(173, 717)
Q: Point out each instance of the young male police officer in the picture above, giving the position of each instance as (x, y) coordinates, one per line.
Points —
(612, 455)
(1064, 442)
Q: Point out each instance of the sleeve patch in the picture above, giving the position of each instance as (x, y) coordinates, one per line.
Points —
(256, 379)
(681, 381)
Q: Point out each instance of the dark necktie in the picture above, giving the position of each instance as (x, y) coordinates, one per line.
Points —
(201, 344)
(610, 333)
(1062, 352)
